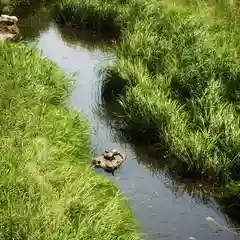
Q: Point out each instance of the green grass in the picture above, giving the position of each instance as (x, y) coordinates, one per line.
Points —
(99, 15)
(47, 190)
(9, 6)
(179, 69)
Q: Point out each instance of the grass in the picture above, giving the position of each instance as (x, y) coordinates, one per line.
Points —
(47, 190)
(179, 69)
(99, 15)
(8, 6)
(177, 72)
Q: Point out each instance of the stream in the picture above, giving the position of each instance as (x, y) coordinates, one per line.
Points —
(165, 208)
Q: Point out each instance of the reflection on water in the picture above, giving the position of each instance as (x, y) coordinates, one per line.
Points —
(167, 209)
(89, 40)
(33, 20)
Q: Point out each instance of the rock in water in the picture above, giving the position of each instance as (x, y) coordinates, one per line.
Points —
(110, 161)
(8, 27)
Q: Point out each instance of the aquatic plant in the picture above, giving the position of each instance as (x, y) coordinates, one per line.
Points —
(47, 190)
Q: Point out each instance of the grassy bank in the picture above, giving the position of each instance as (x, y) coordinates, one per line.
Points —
(179, 67)
(47, 190)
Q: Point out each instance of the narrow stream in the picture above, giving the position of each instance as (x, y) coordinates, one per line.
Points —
(164, 208)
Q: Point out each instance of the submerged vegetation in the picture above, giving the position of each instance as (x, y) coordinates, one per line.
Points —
(177, 77)
(47, 190)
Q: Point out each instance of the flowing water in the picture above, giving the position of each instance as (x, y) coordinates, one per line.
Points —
(165, 208)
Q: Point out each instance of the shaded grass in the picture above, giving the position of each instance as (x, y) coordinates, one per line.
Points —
(155, 160)
(99, 15)
(47, 190)
(9, 6)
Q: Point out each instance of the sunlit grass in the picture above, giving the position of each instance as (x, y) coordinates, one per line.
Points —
(47, 190)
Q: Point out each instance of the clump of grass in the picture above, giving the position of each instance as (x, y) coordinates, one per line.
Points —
(47, 190)
(98, 15)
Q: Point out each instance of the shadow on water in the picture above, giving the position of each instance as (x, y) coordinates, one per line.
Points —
(167, 207)
(89, 39)
(157, 163)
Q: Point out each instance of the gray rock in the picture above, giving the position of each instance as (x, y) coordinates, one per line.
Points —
(8, 27)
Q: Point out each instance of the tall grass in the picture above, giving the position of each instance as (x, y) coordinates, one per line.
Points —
(47, 190)
(97, 15)
(180, 69)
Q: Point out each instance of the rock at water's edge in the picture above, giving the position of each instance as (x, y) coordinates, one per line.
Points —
(8, 27)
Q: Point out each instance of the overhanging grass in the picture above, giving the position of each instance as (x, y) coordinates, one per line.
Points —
(97, 15)
(47, 190)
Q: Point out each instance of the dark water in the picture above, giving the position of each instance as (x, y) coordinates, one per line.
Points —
(166, 209)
